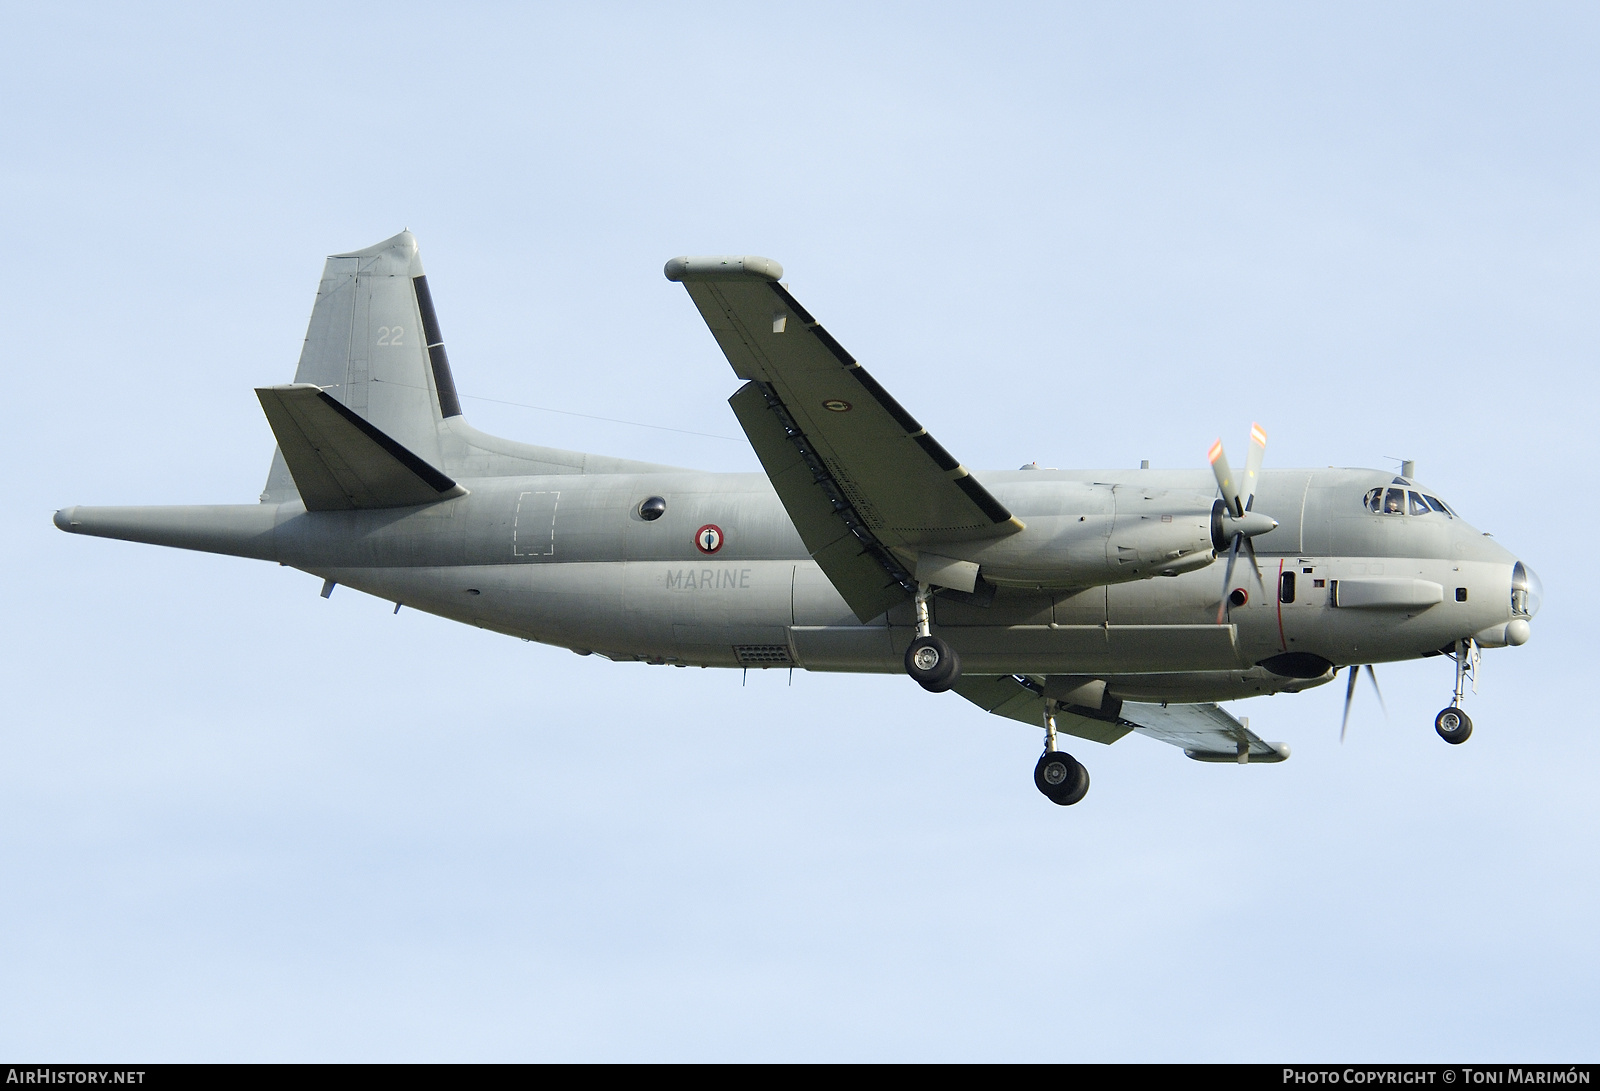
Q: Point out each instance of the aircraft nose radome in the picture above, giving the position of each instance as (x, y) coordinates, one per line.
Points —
(63, 519)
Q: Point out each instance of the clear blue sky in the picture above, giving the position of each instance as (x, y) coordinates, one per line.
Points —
(241, 822)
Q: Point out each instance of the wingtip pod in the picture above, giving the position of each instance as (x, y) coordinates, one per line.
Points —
(722, 268)
(64, 521)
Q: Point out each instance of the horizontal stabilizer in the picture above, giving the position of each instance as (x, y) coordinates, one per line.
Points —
(341, 462)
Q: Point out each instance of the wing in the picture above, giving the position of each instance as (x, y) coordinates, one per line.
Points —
(1205, 732)
(1008, 695)
(866, 485)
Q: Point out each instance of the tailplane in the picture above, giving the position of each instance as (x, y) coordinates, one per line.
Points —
(339, 461)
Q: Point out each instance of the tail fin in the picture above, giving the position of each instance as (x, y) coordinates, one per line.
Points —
(374, 345)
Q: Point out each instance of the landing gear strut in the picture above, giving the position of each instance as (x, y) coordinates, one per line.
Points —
(1453, 725)
(930, 661)
(1060, 776)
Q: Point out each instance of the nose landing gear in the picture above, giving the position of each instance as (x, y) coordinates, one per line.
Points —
(1453, 725)
(1060, 776)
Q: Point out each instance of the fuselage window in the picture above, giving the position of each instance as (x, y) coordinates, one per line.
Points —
(1419, 506)
(1286, 587)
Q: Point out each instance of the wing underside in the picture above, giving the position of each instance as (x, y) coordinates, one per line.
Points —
(1205, 732)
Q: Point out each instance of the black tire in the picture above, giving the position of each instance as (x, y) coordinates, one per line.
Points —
(933, 664)
(1453, 726)
(1061, 777)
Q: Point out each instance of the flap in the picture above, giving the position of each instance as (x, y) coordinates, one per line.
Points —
(340, 461)
(867, 576)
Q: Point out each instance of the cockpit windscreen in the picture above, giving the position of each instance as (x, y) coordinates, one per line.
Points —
(1394, 500)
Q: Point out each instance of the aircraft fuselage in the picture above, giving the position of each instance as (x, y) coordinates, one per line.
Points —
(569, 560)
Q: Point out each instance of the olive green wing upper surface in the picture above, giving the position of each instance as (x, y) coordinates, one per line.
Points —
(865, 483)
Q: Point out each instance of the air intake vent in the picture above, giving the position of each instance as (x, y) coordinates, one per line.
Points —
(763, 655)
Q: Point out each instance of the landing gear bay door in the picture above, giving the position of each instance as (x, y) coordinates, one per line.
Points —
(866, 485)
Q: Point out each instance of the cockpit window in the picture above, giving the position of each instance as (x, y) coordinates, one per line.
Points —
(1396, 501)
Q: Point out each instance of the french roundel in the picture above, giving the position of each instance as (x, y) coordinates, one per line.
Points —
(708, 539)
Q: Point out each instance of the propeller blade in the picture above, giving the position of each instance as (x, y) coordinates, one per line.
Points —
(1252, 464)
(1224, 475)
(1372, 674)
(1255, 568)
(1227, 577)
(1349, 695)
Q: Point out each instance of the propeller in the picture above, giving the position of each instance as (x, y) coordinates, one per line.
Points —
(1350, 692)
(1239, 523)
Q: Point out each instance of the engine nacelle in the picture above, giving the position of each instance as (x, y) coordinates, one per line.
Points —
(1138, 539)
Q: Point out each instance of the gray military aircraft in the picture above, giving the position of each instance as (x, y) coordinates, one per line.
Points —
(1085, 603)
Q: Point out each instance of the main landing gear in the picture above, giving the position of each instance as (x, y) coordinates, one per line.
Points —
(930, 661)
(1060, 776)
(1453, 725)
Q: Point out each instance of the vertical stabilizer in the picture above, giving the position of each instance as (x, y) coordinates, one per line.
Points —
(374, 345)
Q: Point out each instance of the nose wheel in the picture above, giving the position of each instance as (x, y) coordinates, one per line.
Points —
(1060, 776)
(1453, 726)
